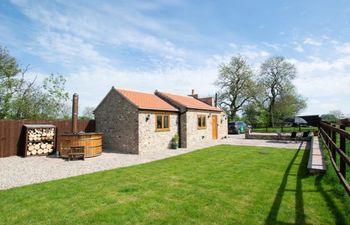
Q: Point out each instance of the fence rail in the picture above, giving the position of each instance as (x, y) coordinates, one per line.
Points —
(11, 133)
(281, 127)
(330, 134)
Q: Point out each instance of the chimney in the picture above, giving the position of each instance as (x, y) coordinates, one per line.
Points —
(193, 94)
(212, 101)
(75, 113)
(207, 100)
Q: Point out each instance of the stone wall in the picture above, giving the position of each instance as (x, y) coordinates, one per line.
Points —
(183, 130)
(274, 136)
(197, 136)
(223, 125)
(117, 119)
(149, 138)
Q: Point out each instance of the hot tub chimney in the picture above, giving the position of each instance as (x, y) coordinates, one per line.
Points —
(75, 113)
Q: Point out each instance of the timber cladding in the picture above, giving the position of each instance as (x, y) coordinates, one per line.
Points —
(12, 133)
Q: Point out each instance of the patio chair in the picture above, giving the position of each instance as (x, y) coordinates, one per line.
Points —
(305, 135)
(293, 136)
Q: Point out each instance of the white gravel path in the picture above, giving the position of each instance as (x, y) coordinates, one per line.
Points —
(17, 171)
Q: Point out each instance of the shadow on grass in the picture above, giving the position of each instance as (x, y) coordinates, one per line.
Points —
(299, 201)
(339, 217)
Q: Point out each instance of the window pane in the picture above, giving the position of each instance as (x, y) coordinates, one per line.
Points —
(159, 122)
(203, 121)
(199, 121)
(166, 121)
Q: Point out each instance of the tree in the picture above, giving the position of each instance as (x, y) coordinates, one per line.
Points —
(9, 69)
(337, 113)
(333, 116)
(88, 113)
(22, 99)
(275, 78)
(253, 113)
(330, 118)
(236, 85)
(53, 96)
(288, 104)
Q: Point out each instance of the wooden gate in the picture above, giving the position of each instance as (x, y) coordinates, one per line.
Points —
(214, 125)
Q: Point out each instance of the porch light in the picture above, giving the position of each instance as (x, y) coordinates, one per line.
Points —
(147, 117)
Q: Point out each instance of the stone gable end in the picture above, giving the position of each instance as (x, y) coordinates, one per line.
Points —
(117, 119)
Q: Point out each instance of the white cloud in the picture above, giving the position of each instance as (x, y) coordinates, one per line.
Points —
(317, 65)
(343, 48)
(83, 38)
(326, 83)
(100, 80)
(232, 45)
(276, 47)
(311, 41)
(66, 49)
(253, 52)
(123, 24)
(324, 86)
(299, 49)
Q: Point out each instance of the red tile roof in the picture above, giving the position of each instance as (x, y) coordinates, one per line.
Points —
(189, 102)
(146, 101)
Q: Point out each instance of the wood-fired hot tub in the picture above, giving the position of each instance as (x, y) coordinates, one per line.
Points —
(91, 141)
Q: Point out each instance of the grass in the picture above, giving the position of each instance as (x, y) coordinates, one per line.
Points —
(218, 185)
(285, 129)
(347, 143)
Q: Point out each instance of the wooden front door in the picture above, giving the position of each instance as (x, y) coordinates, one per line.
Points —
(214, 125)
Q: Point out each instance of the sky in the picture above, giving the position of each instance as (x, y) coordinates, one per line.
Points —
(178, 45)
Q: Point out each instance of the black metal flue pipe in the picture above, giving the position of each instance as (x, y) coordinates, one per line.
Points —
(75, 113)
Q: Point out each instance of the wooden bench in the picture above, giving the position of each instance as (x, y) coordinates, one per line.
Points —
(76, 152)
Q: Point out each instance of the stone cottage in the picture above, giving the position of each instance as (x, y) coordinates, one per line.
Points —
(136, 122)
(200, 121)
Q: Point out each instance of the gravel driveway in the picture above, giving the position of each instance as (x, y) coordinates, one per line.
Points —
(17, 171)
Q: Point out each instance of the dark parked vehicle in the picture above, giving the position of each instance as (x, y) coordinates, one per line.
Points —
(237, 127)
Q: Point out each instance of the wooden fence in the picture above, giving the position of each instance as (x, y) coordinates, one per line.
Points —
(11, 133)
(330, 133)
(312, 120)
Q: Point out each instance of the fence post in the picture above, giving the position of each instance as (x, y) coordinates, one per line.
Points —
(326, 130)
(334, 139)
(329, 133)
(343, 149)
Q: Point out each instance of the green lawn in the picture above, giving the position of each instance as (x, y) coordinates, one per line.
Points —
(347, 152)
(218, 185)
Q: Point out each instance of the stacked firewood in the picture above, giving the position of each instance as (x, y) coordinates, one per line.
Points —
(40, 141)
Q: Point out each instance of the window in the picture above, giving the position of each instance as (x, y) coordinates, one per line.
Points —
(162, 122)
(201, 124)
